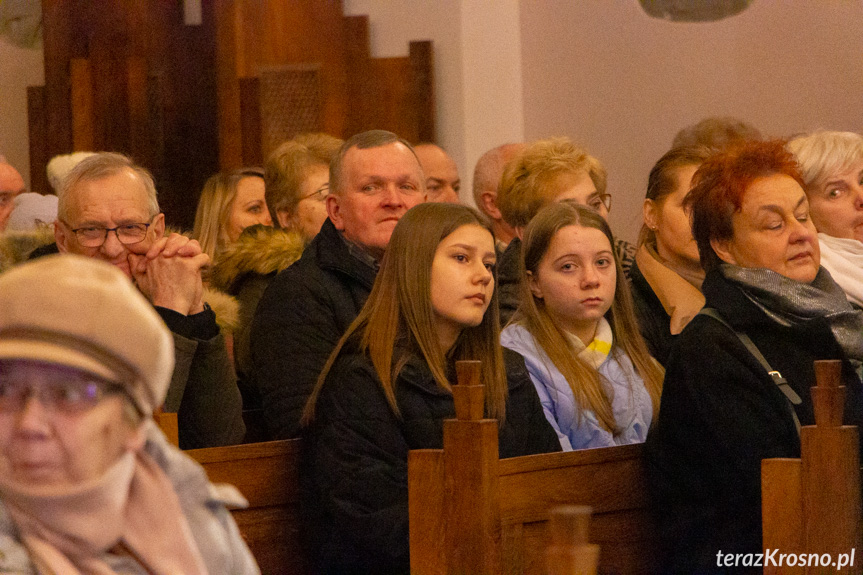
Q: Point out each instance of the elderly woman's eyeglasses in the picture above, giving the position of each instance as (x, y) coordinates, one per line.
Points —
(94, 236)
(596, 202)
(68, 396)
(318, 195)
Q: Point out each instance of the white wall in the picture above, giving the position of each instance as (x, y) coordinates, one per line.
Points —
(622, 83)
(477, 67)
(19, 68)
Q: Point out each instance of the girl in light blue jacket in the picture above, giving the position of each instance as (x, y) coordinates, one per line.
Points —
(577, 331)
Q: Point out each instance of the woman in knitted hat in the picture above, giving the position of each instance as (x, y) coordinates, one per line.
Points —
(88, 484)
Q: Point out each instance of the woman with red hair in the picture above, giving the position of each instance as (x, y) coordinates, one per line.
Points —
(722, 410)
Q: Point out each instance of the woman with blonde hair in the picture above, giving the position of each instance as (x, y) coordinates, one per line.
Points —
(229, 203)
(576, 328)
(386, 387)
(548, 171)
(297, 176)
(296, 182)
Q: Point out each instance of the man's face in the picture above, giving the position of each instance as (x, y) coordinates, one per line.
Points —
(11, 184)
(378, 185)
(442, 181)
(116, 200)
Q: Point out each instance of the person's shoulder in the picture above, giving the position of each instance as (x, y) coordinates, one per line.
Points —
(515, 338)
(14, 557)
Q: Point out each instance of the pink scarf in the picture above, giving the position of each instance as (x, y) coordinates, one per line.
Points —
(132, 509)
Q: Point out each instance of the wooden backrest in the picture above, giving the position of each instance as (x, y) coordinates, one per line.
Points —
(267, 474)
(471, 512)
(167, 422)
(813, 505)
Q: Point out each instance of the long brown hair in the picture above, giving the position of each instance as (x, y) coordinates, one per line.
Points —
(583, 379)
(399, 310)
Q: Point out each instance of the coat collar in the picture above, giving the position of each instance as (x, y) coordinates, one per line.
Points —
(332, 253)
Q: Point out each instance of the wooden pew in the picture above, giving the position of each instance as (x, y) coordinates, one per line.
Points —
(813, 504)
(267, 475)
(471, 512)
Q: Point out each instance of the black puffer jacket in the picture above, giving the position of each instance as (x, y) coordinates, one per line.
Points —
(298, 322)
(356, 451)
(721, 414)
(244, 269)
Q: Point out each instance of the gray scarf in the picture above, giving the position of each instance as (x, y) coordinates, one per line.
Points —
(789, 302)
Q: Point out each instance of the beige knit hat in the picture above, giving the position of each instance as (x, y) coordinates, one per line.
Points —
(85, 313)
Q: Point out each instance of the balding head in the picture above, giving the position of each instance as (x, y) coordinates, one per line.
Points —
(441, 173)
(11, 184)
(486, 179)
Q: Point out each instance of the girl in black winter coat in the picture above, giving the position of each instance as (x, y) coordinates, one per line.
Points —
(386, 388)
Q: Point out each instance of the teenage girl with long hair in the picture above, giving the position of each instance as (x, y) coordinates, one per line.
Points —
(576, 329)
(386, 388)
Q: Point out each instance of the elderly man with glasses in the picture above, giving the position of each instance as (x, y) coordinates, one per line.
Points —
(108, 210)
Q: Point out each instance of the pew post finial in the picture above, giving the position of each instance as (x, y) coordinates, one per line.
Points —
(828, 395)
(469, 393)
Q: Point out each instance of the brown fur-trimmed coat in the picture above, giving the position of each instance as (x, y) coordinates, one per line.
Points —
(244, 270)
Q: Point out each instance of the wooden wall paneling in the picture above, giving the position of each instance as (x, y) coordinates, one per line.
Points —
(156, 123)
(422, 89)
(81, 102)
(304, 32)
(190, 110)
(108, 47)
(358, 75)
(250, 116)
(290, 103)
(227, 23)
(391, 95)
(38, 139)
(137, 79)
(255, 35)
(62, 40)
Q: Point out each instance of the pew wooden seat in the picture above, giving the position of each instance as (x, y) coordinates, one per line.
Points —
(267, 475)
(471, 512)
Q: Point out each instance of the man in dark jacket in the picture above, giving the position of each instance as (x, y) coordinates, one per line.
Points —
(107, 210)
(374, 179)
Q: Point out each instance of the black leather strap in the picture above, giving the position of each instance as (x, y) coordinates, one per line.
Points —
(777, 378)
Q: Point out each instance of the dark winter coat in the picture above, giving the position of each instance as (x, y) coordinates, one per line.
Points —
(244, 270)
(653, 321)
(355, 469)
(721, 414)
(299, 320)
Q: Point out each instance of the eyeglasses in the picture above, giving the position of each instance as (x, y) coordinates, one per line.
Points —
(72, 395)
(318, 195)
(94, 237)
(596, 202)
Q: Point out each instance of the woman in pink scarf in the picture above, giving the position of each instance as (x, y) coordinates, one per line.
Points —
(88, 484)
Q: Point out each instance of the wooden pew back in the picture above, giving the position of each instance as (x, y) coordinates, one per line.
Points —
(471, 512)
(812, 505)
(267, 474)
